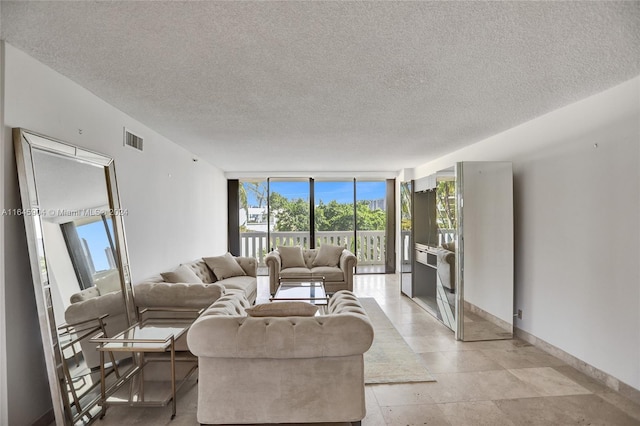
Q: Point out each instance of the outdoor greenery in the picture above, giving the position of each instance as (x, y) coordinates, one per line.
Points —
(446, 204)
(405, 206)
(293, 214)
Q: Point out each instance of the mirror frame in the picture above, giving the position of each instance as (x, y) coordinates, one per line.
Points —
(25, 142)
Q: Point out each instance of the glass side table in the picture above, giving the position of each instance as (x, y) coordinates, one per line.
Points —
(142, 339)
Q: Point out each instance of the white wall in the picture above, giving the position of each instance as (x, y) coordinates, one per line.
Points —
(577, 232)
(176, 207)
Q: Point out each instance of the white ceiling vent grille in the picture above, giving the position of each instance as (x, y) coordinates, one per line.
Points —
(133, 140)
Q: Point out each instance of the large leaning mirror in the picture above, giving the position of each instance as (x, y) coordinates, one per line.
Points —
(79, 264)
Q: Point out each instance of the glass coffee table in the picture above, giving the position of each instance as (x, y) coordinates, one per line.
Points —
(309, 290)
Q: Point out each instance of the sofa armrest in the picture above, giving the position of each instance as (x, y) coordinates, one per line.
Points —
(111, 304)
(348, 262)
(182, 295)
(274, 263)
(86, 294)
(450, 258)
(248, 264)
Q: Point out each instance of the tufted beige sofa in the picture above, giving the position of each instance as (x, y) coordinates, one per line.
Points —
(336, 278)
(446, 261)
(285, 369)
(154, 292)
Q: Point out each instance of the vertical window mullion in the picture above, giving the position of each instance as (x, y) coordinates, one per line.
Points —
(355, 221)
(312, 214)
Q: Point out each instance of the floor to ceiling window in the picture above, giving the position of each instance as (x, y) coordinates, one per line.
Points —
(307, 212)
(371, 220)
(334, 213)
(289, 213)
(91, 249)
(252, 220)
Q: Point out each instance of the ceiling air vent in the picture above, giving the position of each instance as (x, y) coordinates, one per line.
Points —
(134, 141)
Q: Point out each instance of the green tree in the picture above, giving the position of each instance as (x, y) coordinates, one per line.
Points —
(290, 215)
(293, 215)
(334, 216)
(369, 220)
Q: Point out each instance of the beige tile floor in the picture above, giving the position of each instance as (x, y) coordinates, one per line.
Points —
(491, 383)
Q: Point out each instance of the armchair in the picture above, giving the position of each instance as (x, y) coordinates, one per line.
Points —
(336, 277)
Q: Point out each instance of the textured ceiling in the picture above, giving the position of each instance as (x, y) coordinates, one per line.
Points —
(333, 86)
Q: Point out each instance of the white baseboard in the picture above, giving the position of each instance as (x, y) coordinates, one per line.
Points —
(469, 307)
(605, 378)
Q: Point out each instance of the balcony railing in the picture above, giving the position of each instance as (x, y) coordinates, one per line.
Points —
(369, 246)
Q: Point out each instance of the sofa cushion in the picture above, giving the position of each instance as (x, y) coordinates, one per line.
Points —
(224, 266)
(295, 273)
(328, 255)
(182, 274)
(291, 257)
(244, 283)
(283, 309)
(330, 273)
(186, 295)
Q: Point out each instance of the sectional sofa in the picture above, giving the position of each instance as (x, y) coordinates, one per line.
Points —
(156, 292)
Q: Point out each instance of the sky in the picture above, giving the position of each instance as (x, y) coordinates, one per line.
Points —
(97, 240)
(342, 192)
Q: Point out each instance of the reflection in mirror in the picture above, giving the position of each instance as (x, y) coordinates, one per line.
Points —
(76, 241)
(463, 258)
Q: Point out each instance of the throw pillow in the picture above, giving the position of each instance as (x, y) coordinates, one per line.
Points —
(291, 257)
(182, 274)
(283, 309)
(328, 255)
(224, 266)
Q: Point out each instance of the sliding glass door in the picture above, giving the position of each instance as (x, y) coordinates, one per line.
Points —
(371, 220)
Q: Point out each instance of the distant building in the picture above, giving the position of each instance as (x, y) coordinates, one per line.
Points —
(377, 204)
(256, 220)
